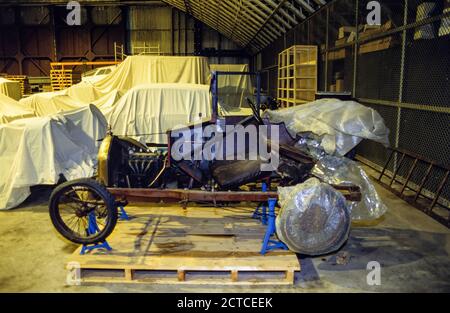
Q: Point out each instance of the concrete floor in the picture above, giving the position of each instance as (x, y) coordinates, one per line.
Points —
(412, 248)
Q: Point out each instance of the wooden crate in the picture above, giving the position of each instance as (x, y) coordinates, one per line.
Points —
(369, 30)
(297, 75)
(198, 245)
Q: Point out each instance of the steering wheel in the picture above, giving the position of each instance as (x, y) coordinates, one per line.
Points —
(255, 111)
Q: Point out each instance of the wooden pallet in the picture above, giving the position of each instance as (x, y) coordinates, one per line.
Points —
(23, 82)
(197, 245)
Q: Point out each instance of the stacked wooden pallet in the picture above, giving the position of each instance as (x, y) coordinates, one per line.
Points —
(61, 79)
(297, 75)
(166, 244)
(23, 81)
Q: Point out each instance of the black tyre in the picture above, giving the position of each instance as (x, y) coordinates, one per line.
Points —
(73, 203)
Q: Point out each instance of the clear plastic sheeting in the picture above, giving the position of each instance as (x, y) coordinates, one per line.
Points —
(343, 171)
(332, 125)
(314, 218)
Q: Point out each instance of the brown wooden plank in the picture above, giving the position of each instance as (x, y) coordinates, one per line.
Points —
(128, 274)
(234, 275)
(181, 274)
(290, 276)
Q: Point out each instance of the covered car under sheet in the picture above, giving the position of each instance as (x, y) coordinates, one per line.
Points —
(37, 150)
(147, 112)
(133, 71)
(11, 110)
(10, 88)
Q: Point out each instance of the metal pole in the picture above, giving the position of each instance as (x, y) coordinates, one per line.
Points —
(258, 91)
(215, 88)
(402, 74)
(355, 64)
(400, 92)
(326, 47)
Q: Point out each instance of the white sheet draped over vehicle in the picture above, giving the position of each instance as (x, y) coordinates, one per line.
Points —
(134, 71)
(10, 88)
(11, 110)
(37, 150)
(150, 110)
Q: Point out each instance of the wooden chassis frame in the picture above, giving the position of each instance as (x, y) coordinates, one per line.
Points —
(351, 193)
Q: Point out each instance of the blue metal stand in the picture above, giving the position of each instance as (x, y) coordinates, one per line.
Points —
(270, 244)
(92, 229)
(261, 211)
(89, 248)
(123, 216)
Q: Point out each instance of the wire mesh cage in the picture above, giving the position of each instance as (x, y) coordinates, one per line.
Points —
(400, 68)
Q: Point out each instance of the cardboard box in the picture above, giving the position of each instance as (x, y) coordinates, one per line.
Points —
(377, 45)
(337, 54)
(339, 85)
(372, 30)
(345, 30)
(340, 42)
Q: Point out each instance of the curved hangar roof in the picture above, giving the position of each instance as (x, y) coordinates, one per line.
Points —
(250, 23)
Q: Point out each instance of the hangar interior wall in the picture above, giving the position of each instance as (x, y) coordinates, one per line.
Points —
(35, 35)
(407, 83)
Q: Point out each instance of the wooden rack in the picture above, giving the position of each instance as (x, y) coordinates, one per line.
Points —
(297, 75)
(61, 79)
(146, 49)
(119, 52)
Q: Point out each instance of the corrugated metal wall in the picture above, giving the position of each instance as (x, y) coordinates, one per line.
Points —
(33, 36)
(154, 26)
(174, 32)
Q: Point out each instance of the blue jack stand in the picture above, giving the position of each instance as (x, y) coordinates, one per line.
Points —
(270, 244)
(261, 207)
(123, 216)
(92, 229)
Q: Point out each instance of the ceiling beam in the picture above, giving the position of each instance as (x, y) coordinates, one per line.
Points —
(268, 19)
(306, 5)
(251, 24)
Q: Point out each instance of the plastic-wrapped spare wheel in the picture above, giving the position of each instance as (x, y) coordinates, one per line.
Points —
(314, 218)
